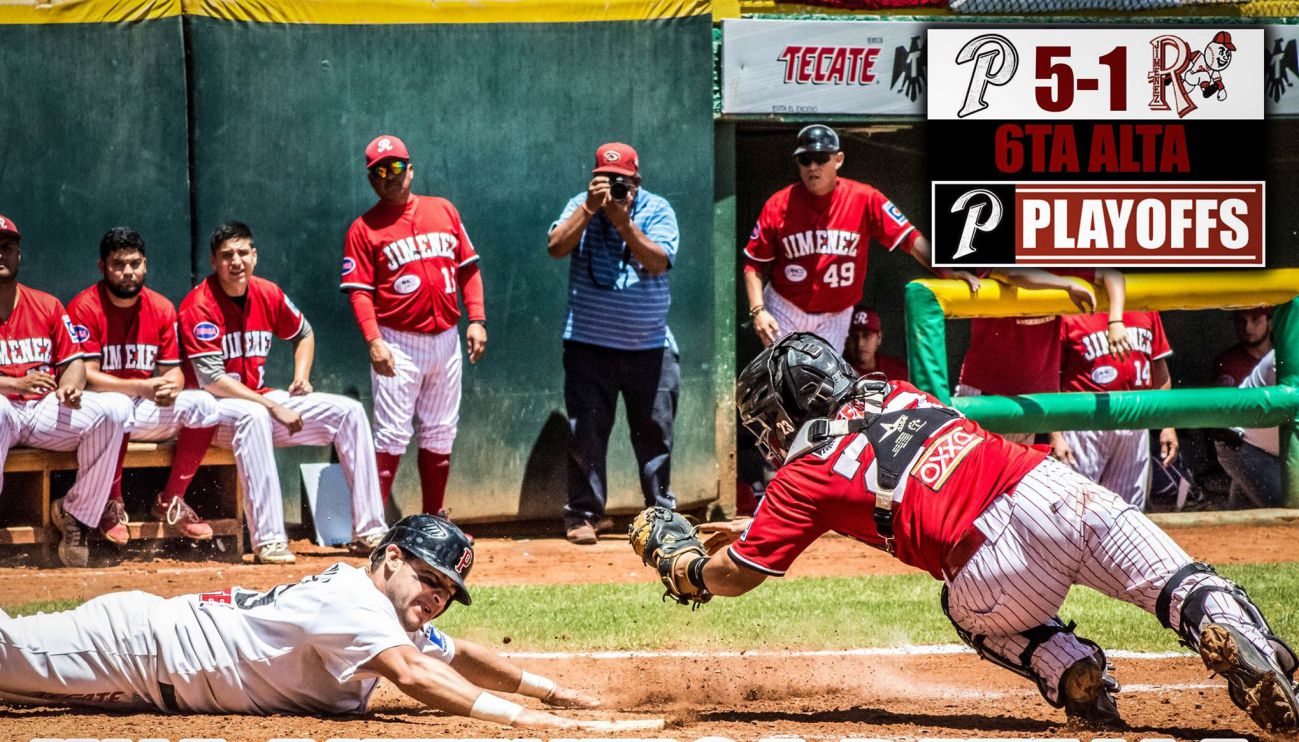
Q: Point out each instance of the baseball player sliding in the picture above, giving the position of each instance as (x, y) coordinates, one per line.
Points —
(42, 375)
(403, 263)
(1008, 530)
(315, 647)
(128, 335)
(812, 240)
(227, 323)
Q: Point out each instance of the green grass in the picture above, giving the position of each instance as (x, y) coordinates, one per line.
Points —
(829, 613)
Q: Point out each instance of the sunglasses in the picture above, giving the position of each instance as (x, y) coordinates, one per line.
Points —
(395, 168)
(819, 158)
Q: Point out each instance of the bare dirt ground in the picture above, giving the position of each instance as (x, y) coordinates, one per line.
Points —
(822, 697)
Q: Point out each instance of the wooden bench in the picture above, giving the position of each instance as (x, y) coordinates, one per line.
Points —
(29, 472)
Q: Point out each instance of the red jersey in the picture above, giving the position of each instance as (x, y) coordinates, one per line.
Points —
(1087, 363)
(409, 256)
(1016, 355)
(1233, 365)
(892, 368)
(129, 342)
(959, 470)
(37, 336)
(818, 245)
(213, 324)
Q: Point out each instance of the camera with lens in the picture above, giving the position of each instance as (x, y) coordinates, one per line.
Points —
(619, 187)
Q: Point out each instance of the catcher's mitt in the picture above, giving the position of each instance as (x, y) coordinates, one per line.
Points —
(661, 538)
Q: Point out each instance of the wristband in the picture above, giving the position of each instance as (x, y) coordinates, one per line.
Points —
(536, 686)
(494, 708)
(760, 308)
(1116, 322)
(695, 574)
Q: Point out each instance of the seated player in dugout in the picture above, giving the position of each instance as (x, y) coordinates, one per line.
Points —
(1008, 529)
(227, 323)
(318, 646)
(43, 376)
(862, 351)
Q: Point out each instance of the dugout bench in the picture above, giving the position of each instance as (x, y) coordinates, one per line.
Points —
(34, 477)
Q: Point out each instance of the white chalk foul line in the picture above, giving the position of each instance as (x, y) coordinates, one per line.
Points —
(904, 651)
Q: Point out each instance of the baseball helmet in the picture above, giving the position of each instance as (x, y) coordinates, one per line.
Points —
(437, 541)
(798, 378)
(817, 138)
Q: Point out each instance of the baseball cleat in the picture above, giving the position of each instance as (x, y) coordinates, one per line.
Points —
(364, 545)
(113, 523)
(274, 552)
(1088, 695)
(180, 519)
(1254, 681)
(74, 546)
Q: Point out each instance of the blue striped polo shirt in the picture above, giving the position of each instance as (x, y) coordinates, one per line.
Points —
(613, 302)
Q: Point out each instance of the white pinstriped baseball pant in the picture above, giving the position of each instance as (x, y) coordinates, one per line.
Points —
(831, 327)
(94, 431)
(426, 389)
(327, 419)
(1118, 460)
(193, 408)
(1057, 530)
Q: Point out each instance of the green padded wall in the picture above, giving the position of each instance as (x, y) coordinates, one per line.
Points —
(504, 121)
(92, 135)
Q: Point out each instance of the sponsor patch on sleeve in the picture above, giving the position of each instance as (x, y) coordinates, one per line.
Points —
(72, 330)
(895, 214)
(756, 233)
(206, 331)
(349, 265)
(80, 333)
(292, 307)
(435, 636)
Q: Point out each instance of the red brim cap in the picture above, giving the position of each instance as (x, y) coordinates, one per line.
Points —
(616, 157)
(864, 319)
(8, 227)
(385, 147)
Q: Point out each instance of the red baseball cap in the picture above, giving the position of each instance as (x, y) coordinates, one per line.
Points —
(616, 157)
(866, 319)
(385, 147)
(8, 227)
(1224, 38)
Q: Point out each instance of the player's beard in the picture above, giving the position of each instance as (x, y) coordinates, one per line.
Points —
(127, 292)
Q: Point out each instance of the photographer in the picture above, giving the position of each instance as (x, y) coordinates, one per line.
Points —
(620, 240)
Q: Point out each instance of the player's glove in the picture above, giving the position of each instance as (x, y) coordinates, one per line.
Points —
(662, 538)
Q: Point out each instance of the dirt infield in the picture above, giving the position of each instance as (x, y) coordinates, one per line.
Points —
(891, 695)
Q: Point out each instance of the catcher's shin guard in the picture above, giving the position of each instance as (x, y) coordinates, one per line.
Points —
(1086, 694)
(1192, 613)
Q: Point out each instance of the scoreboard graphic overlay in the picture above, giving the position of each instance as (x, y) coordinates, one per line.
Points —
(1057, 147)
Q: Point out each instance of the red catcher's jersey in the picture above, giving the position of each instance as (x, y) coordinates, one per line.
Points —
(37, 336)
(961, 469)
(212, 324)
(817, 245)
(1087, 363)
(409, 257)
(128, 342)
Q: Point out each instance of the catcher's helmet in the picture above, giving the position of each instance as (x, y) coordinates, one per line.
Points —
(798, 378)
(439, 542)
(817, 138)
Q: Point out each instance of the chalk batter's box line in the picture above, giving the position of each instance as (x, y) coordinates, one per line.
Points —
(903, 651)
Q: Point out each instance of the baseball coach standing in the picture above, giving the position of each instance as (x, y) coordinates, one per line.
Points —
(621, 241)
